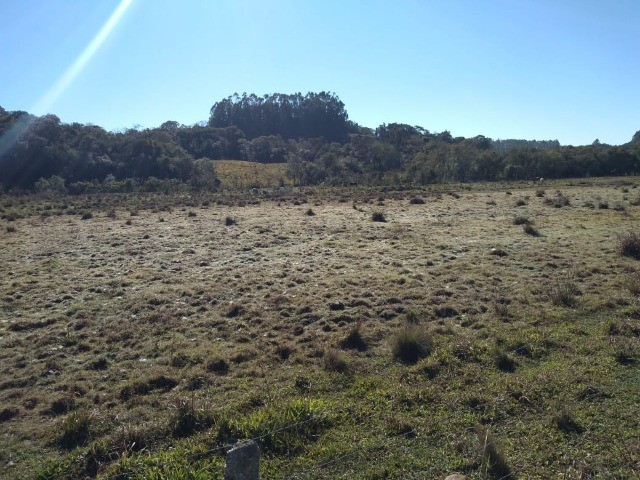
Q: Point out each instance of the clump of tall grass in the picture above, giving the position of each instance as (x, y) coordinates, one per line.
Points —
(411, 344)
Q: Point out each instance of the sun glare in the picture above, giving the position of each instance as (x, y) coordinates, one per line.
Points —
(78, 65)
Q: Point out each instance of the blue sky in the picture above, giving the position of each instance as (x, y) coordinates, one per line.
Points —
(557, 69)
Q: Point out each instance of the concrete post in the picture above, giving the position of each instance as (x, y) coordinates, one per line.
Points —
(243, 462)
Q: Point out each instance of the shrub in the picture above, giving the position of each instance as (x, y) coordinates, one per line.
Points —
(625, 356)
(87, 216)
(563, 292)
(76, 429)
(310, 213)
(11, 229)
(492, 457)
(411, 344)
(354, 340)
(505, 363)
(559, 201)
(540, 193)
(629, 245)
(188, 419)
(51, 185)
(529, 230)
(7, 414)
(219, 366)
(334, 361)
(603, 205)
(284, 351)
(378, 217)
(416, 201)
(229, 221)
(633, 284)
(521, 220)
(565, 422)
(192, 213)
(521, 202)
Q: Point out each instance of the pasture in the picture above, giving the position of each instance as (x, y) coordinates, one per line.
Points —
(487, 329)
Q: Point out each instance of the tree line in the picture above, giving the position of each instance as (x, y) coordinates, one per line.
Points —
(311, 133)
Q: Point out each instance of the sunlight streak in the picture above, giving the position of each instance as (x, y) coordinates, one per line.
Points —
(78, 65)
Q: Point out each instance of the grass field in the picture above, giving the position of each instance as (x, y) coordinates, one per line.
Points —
(491, 330)
(238, 174)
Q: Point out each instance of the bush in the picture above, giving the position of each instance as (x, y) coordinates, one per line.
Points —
(492, 457)
(310, 213)
(354, 341)
(633, 284)
(540, 193)
(334, 361)
(411, 344)
(521, 220)
(563, 293)
(416, 201)
(529, 230)
(629, 245)
(229, 221)
(559, 201)
(505, 363)
(565, 422)
(219, 366)
(188, 419)
(76, 429)
(378, 217)
(51, 185)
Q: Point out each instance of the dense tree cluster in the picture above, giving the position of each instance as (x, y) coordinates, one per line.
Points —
(289, 116)
(311, 133)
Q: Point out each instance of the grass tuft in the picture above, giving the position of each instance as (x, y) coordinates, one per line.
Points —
(629, 245)
(333, 361)
(354, 340)
(563, 292)
(378, 217)
(75, 429)
(411, 344)
(494, 462)
(530, 230)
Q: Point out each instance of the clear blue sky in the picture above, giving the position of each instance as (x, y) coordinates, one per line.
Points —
(545, 69)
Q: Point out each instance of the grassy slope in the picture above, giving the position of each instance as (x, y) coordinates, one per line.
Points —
(238, 174)
(101, 318)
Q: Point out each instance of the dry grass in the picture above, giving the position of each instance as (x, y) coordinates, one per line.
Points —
(239, 175)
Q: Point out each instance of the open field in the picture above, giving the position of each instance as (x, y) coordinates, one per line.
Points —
(491, 330)
(239, 174)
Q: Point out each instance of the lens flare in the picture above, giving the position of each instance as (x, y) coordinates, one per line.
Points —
(78, 65)
(9, 138)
